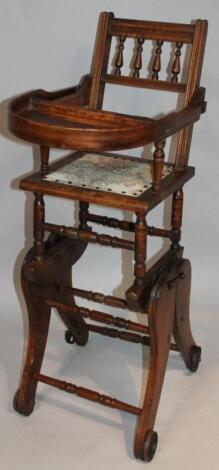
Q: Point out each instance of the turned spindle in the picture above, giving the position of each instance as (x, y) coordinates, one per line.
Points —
(88, 394)
(158, 162)
(44, 157)
(157, 61)
(176, 63)
(119, 57)
(39, 219)
(100, 317)
(138, 58)
(140, 248)
(89, 236)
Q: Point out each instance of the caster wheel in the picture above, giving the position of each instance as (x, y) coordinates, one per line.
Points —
(80, 336)
(195, 358)
(69, 338)
(24, 410)
(150, 446)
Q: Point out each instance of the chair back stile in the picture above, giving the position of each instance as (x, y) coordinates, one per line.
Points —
(194, 75)
(100, 60)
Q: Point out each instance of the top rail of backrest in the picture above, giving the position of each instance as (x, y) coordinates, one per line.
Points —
(178, 33)
(153, 30)
(160, 32)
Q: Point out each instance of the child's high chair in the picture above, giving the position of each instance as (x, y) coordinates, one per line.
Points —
(74, 119)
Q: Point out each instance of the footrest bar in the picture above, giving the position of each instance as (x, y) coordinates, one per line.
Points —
(123, 335)
(126, 225)
(96, 297)
(90, 236)
(111, 222)
(101, 317)
(91, 395)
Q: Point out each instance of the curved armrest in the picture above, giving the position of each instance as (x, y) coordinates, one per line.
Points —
(61, 119)
(172, 123)
(175, 121)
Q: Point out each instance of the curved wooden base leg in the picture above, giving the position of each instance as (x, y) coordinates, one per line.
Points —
(40, 279)
(61, 274)
(77, 331)
(161, 318)
(191, 353)
(39, 318)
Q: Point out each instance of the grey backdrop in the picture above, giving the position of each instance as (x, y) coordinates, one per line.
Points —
(48, 44)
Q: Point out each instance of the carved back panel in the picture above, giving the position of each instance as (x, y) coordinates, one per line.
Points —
(180, 35)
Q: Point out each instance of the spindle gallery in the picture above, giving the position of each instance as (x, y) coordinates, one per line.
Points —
(93, 173)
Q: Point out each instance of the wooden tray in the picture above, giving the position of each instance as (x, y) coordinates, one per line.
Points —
(55, 124)
(46, 119)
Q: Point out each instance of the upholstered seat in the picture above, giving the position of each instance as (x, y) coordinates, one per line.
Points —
(110, 173)
(107, 179)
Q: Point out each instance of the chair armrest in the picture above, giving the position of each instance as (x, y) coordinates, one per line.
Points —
(175, 121)
(169, 125)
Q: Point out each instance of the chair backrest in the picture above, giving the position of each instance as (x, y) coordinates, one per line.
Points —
(179, 34)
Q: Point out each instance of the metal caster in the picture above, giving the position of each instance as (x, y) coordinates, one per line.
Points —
(69, 338)
(79, 337)
(150, 446)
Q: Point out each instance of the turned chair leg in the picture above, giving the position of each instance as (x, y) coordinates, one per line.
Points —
(39, 318)
(161, 319)
(191, 353)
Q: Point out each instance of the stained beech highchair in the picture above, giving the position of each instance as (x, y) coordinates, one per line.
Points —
(73, 119)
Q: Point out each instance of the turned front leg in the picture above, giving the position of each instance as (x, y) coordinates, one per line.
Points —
(140, 248)
(39, 220)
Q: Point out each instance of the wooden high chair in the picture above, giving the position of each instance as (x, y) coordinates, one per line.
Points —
(74, 119)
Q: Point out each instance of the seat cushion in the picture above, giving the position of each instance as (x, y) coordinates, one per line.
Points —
(111, 173)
